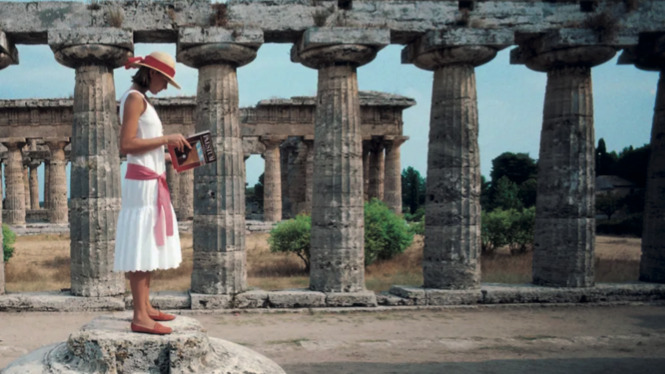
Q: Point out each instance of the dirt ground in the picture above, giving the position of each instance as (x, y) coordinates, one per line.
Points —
(487, 339)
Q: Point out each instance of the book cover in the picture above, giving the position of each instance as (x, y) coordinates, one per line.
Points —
(201, 153)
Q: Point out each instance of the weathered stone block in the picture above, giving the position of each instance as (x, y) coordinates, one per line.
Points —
(251, 299)
(57, 302)
(296, 299)
(452, 297)
(415, 295)
(346, 299)
(206, 301)
(387, 299)
(219, 273)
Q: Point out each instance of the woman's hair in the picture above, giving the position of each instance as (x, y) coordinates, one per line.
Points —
(142, 78)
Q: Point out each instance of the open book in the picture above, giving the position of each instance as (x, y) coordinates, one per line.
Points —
(201, 153)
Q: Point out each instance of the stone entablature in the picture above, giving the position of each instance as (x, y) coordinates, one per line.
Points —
(381, 114)
(283, 21)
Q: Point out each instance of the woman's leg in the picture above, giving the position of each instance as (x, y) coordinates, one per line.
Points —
(151, 311)
(140, 285)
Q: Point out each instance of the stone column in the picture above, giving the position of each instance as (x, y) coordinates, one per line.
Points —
(219, 189)
(392, 195)
(272, 178)
(649, 54)
(451, 256)
(367, 147)
(309, 174)
(8, 52)
(47, 166)
(95, 170)
(26, 183)
(337, 236)
(376, 169)
(58, 210)
(15, 194)
(185, 210)
(34, 183)
(565, 213)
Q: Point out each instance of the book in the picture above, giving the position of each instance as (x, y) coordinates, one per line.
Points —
(201, 153)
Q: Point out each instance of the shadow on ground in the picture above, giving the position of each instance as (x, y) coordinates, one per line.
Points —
(602, 365)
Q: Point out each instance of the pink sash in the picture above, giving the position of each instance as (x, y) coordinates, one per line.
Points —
(164, 214)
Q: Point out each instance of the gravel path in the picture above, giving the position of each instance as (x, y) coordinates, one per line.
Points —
(499, 339)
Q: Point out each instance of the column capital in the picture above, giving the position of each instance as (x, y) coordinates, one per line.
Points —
(438, 48)
(319, 47)
(55, 144)
(271, 141)
(8, 52)
(199, 46)
(560, 48)
(648, 54)
(394, 140)
(13, 144)
(91, 46)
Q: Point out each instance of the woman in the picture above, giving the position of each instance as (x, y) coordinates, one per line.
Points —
(147, 232)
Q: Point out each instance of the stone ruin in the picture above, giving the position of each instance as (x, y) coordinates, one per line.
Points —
(564, 39)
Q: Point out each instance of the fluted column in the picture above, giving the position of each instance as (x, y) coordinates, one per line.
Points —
(219, 189)
(26, 183)
(376, 169)
(272, 180)
(47, 167)
(309, 174)
(173, 181)
(650, 55)
(564, 231)
(15, 194)
(58, 210)
(95, 170)
(34, 183)
(186, 199)
(337, 235)
(392, 195)
(451, 256)
(367, 151)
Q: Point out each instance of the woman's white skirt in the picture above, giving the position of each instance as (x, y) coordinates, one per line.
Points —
(135, 245)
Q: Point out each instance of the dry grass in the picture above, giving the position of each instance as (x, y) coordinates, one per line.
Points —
(41, 263)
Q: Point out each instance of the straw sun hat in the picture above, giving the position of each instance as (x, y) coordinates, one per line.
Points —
(159, 61)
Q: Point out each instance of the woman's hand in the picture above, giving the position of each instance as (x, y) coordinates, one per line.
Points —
(178, 141)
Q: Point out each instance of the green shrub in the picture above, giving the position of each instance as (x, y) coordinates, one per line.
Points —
(386, 234)
(292, 236)
(511, 227)
(8, 239)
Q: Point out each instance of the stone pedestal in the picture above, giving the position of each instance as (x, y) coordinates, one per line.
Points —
(272, 178)
(650, 55)
(107, 345)
(392, 194)
(219, 188)
(565, 207)
(451, 258)
(15, 194)
(58, 210)
(337, 237)
(95, 170)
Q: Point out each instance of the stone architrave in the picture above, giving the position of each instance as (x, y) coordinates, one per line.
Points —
(451, 256)
(15, 194)
(377, 169)
(337, 235)
(392, 194)
(649, 54)
(34, 183)
(58, 210)
(95, 169)
(219, 188)
(564, 231)
(272, 178)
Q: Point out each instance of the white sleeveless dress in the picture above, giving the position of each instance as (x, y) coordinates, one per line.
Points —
(135, 245)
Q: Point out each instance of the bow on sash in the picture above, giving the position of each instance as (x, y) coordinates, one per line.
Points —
(164, 213)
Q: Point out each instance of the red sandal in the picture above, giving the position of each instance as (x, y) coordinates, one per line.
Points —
(162, 317)
(158, 329)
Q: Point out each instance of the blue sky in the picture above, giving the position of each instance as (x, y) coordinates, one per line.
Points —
(510, 97)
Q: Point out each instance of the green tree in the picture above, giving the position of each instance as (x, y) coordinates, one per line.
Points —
(608, 204)
(8, 240)
(632, 164)
(258, 192)
(293, 236)
(518, 167)
(413, 190)
(527, 192)
(509, 227)
(605, 162)
(485, 189)
(506, 194)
